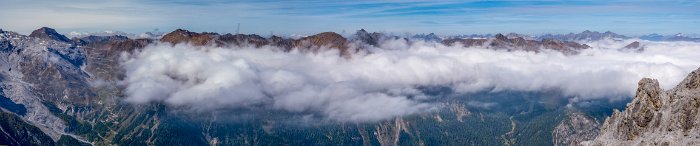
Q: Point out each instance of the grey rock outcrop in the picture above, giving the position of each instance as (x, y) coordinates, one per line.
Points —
(656, 117)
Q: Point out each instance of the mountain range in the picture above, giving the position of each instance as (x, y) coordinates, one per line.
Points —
(57, 90)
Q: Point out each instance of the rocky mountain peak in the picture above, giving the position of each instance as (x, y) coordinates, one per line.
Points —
(648, 84)
(49, 33)
(331, 39)
(362, 30)
(656, 117)
(501, 37)
(365, 37)
(181, 36)
(648, 94)
(327, 39)
(634, 46)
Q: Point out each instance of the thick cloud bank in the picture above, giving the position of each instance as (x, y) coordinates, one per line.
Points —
(381, 84)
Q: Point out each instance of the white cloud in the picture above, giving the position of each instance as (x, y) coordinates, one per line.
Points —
(381, 84)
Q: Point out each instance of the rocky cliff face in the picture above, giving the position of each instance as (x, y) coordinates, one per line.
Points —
(656, 117)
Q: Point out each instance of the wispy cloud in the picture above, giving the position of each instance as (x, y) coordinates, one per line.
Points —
(306, 17)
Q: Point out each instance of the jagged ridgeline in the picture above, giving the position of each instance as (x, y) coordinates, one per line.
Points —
(62, 91)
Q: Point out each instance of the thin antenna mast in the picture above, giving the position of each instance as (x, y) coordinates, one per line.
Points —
(238, 28)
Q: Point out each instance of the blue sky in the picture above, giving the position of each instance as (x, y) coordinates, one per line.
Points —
(309, 17)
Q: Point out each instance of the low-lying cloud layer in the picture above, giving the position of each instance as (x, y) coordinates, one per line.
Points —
(381, 84)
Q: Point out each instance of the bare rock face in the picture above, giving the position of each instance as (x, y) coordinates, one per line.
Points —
(656, 117)
(575, 128)
(501, 42)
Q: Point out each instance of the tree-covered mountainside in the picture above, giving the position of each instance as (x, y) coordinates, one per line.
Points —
(17, 132)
